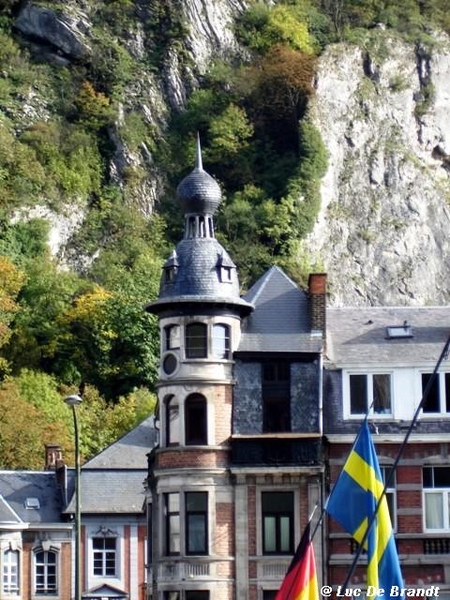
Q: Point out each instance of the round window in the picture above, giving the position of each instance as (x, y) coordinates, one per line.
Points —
(170, 363)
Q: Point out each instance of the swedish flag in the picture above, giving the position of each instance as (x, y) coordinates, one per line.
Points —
(353, 502)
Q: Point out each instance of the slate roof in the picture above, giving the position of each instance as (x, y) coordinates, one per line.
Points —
(358, 336)
(113, 481)
(17, 486)
(128, 452)
(7, 515)
(197, 279)
(111, 492)
(280, 321)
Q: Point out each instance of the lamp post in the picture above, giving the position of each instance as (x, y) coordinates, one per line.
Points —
(73, 401)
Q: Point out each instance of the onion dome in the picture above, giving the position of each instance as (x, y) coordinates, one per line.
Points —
(198, 192)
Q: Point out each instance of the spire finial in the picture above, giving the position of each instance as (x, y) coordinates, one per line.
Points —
(198, 155)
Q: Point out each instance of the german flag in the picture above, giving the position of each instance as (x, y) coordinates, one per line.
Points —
(300, 582)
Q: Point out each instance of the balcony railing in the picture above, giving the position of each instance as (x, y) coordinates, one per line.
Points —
(179, 570)
(266, 451)
(436, 546)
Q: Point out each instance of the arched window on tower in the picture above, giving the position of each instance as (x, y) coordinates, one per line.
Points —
(171, 337)
(221, 341)
(195, 411)
(196, 340)
(172, 421)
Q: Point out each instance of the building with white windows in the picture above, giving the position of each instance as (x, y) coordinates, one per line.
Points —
(35, 543)
(380, 360)
(114, 521)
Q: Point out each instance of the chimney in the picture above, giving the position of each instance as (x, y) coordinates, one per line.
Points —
(317, 288)
(53, 456)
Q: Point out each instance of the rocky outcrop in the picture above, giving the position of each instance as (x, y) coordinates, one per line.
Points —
(210, 37)
(382, 233)
(64, 31)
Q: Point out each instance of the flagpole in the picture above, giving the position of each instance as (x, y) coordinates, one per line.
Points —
(442, 357)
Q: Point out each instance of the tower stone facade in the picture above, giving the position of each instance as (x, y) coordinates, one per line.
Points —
(199, 310)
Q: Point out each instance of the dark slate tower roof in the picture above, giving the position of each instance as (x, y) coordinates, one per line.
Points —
(199, 270)
(199, 192)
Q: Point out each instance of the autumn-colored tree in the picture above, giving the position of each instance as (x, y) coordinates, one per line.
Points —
(11, 280)
(94, 107)
(281, 83)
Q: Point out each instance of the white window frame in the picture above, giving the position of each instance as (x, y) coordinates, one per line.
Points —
(46, 593)
(101, 530)
(442, 399)
(103, 554)
(12, 587)
(445, 494)
(370, 411)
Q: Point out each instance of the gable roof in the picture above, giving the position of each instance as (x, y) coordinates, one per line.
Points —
(113, 481)
(358, 335)
(281, 319)
(128, 452)
(104, 591)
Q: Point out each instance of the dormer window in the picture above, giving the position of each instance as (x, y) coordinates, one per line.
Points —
(224, 268)
(395, 332)
(171, 268)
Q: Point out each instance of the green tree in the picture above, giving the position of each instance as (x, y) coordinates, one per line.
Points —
(25, 429)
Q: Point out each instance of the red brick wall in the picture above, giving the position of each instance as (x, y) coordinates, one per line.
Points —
(176, 458)
(418, 569)
(223, 399)
(65, 572)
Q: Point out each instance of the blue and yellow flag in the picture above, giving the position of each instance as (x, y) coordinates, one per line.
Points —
(353, 502)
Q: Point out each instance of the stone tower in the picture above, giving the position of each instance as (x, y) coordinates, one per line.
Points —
(199, 309)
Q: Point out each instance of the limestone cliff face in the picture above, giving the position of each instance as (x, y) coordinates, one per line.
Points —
(382, 109)
(383, 228)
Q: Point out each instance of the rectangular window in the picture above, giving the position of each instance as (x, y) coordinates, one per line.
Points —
(10, 575)
(196, 522)
(221, 341)
(171, 337)
(437, 392)
(276, 396)
(172, 522)
(277, 522)
(370, 393)
(197, 595)
(45, 573)
(436, 497)
(149, 547)
(104, 553)
(196, 340)
(391, 496)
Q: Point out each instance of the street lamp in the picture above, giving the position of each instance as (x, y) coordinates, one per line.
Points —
(74, 401)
